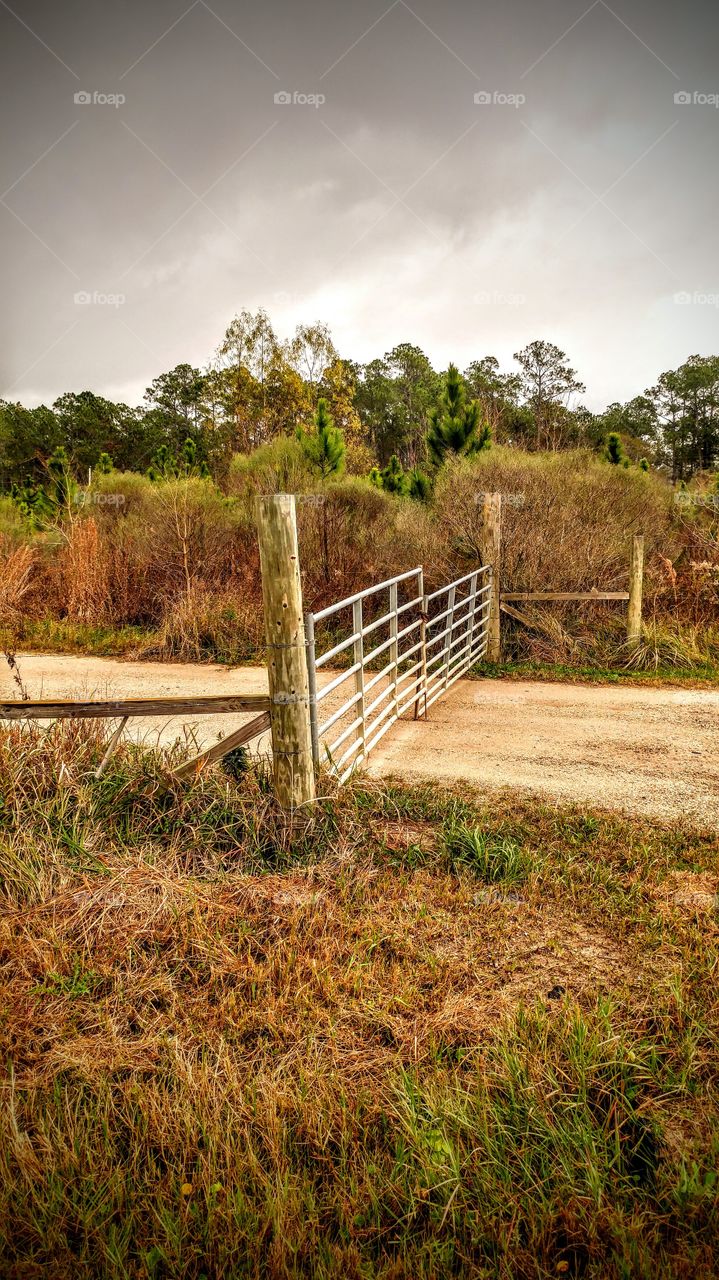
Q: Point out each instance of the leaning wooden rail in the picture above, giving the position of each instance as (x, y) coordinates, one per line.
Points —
(52, 709)
(214, 704)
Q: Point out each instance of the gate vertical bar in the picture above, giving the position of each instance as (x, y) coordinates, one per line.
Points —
(450, 629)
(312, 685)
(393, 652)
(421, 686)
(472, 614)
(358, 651)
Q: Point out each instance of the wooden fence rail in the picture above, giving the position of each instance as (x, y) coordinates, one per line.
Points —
(52, 709)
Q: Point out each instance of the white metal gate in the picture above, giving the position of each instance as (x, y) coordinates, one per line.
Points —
(404, 650)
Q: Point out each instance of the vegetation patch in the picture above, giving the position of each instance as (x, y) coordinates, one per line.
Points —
(422, 1033)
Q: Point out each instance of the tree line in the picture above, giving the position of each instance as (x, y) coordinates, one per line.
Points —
(397, 414)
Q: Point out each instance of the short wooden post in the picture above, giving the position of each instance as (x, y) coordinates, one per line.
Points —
(491, 549)
(293, 773)
(636, 583)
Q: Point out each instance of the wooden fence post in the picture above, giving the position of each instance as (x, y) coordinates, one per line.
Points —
(491, 547)
(636, 581)
(293, 772)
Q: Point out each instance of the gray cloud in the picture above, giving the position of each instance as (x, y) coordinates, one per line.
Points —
(397, 210)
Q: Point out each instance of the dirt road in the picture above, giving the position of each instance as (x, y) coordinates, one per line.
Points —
(652, 751)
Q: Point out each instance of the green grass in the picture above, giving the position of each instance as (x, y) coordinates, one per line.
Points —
(51, 635)
(423, 1033)
(691, 677)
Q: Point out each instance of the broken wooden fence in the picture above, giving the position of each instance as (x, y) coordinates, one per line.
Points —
(125, 709)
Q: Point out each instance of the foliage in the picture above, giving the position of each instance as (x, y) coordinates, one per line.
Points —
(419, 1034)
(324, 448)
(454, 426)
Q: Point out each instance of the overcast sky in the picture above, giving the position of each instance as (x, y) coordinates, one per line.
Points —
(575, 205)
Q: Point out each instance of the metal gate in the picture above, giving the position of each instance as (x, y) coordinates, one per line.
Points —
(404, 650)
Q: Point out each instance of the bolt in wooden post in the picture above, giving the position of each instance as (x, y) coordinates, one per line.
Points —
(294, 779)
(491, 548)
(636, 582)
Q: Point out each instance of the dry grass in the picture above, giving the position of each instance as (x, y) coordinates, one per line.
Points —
(424, 1035)
(179, 560)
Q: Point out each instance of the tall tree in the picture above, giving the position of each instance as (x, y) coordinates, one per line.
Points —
(548, 383)
(310, 352)
(498, 395)
(455, 422)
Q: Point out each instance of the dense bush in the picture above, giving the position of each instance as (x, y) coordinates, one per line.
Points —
(179, 558)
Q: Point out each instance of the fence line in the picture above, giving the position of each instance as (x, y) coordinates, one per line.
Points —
(412, 674)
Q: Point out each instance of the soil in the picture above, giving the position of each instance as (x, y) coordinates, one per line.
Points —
(647, 751)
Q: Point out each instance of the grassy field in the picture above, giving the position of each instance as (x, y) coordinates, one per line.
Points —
(422, 1034)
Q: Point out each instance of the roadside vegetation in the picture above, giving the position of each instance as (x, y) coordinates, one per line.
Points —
(132, 531)
(169, 568)
(421, 1034)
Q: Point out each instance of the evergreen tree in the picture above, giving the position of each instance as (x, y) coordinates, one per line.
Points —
(419, 485)
(104, 464)
(324, 448)
(614, 452)
(394, 479)
(58, 466)
(454, 424)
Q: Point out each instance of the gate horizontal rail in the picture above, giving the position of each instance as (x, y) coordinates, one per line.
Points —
(416, 670)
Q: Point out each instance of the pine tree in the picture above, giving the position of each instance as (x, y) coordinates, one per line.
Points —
(325, 447)
(419, 485)
(325, 450)
(394, 479)
(104, 464)
(615, 453)
(454, 424)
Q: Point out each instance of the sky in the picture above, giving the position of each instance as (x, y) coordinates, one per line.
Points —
(466, 176)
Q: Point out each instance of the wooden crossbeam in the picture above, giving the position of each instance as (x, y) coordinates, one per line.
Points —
(76, 710)
(564, 595)
(244, 734)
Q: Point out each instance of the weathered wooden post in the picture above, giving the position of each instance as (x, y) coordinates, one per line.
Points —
(491, 547)
(636, 583)
(294, 779)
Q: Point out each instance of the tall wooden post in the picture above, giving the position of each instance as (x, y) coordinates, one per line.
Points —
(294, 781)
(636, 582)
(491, 548)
